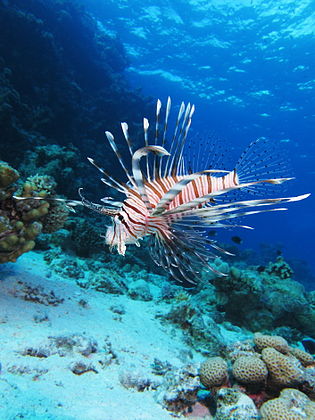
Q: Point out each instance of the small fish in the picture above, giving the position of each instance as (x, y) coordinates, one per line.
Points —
(237, 240)
(171, 201)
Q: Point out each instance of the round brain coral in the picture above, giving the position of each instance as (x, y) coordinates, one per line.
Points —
(284, 371)
(275, 341)
(213, 372)
(291, 405)
(250, 370)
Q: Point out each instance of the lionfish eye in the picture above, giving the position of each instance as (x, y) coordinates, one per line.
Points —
(120, 218)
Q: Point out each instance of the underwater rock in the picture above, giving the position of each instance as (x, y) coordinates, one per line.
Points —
(67, 267)
(80, 367)
(280, 268)
(107, 281)
(235, 405)
(140, 290)
(179, 389)
(259, 301)
(62, 163)
(197, 316)
(36, 294)
(137, 379)
(85, 239)
(74, 343)
(59, 73)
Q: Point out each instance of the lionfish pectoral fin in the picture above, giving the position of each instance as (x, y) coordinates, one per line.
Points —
(210, 216)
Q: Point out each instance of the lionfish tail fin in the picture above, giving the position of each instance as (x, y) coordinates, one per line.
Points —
(262, 161)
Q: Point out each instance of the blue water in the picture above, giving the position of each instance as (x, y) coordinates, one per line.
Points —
(248, 66)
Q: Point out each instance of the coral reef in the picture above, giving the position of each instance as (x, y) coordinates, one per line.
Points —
(291, 405)
(178, 392)
(264, 300)
(263, 341)
(213, 372)
(249, 370)
(259, 371)
(21, 221)
(235, 405)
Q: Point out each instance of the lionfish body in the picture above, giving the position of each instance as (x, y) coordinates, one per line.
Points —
(173, 204)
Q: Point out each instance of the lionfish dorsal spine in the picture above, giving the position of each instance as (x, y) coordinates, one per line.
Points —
(157, 118)
(137, 173)
(113, 145)
(179, 116)
(124, 127)
(109, 180)
(146, 142)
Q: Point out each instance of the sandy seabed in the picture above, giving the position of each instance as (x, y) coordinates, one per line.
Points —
(44, 376)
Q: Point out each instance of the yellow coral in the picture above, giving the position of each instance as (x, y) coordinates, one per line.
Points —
(213, 372)
(250, 370)
(21, 220)
(275, 341)
(305, 358)
(284, 371)
(291, 405)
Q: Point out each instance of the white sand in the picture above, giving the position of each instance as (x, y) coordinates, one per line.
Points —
(137, 337)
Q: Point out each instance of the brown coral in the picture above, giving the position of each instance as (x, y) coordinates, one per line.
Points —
(213, 372)
(21, 220)
(291, 405)
(250, 370)
(305, 358)
(284, 371)
(275, 341)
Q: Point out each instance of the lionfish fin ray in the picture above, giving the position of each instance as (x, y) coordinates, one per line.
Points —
(113, 145)
(262, 159)
(110, 181)
(124, 127)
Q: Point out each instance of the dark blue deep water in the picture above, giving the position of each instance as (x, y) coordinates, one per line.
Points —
(248, 66)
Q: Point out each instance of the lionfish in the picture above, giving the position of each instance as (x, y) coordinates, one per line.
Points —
(173, 205)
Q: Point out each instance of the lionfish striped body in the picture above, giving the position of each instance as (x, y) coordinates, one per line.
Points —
(173, 205)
